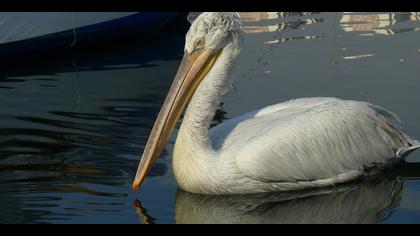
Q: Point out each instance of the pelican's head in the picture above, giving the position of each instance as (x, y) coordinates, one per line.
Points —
(214, 30)
(210, 35)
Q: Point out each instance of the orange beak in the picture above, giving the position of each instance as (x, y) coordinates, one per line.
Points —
(193, 69)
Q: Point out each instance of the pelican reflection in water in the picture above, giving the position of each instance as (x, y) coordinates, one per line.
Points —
(370, 200)
(354, 204)
(295, 145)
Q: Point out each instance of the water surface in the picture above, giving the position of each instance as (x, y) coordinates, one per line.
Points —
(73, 127)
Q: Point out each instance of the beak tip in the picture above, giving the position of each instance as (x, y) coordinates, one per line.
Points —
(135, 186)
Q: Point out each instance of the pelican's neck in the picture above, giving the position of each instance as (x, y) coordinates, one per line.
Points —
(193, 137)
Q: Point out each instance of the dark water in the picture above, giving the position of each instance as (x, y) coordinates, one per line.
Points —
(72, 127)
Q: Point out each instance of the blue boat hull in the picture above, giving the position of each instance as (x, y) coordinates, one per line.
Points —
(90, 32)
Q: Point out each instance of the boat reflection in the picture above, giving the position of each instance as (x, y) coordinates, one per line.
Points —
(367, 201)
(282, 21)
(369, 24)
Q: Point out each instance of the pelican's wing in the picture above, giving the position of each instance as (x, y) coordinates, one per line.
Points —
(310, 139)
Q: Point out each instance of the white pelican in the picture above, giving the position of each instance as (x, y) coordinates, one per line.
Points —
(299, 144)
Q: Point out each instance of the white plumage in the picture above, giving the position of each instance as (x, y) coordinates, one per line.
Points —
(307, 142)
(299, 144)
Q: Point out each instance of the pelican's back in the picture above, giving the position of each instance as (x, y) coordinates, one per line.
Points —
(311, 139)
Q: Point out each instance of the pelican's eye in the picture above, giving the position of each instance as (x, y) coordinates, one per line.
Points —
(199, 43)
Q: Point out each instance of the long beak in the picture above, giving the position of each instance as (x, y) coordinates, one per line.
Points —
(194, 67)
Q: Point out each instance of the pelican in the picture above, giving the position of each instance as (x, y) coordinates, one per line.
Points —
(295, 145)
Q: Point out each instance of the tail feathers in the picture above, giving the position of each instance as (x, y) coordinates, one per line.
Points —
(404, 151)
